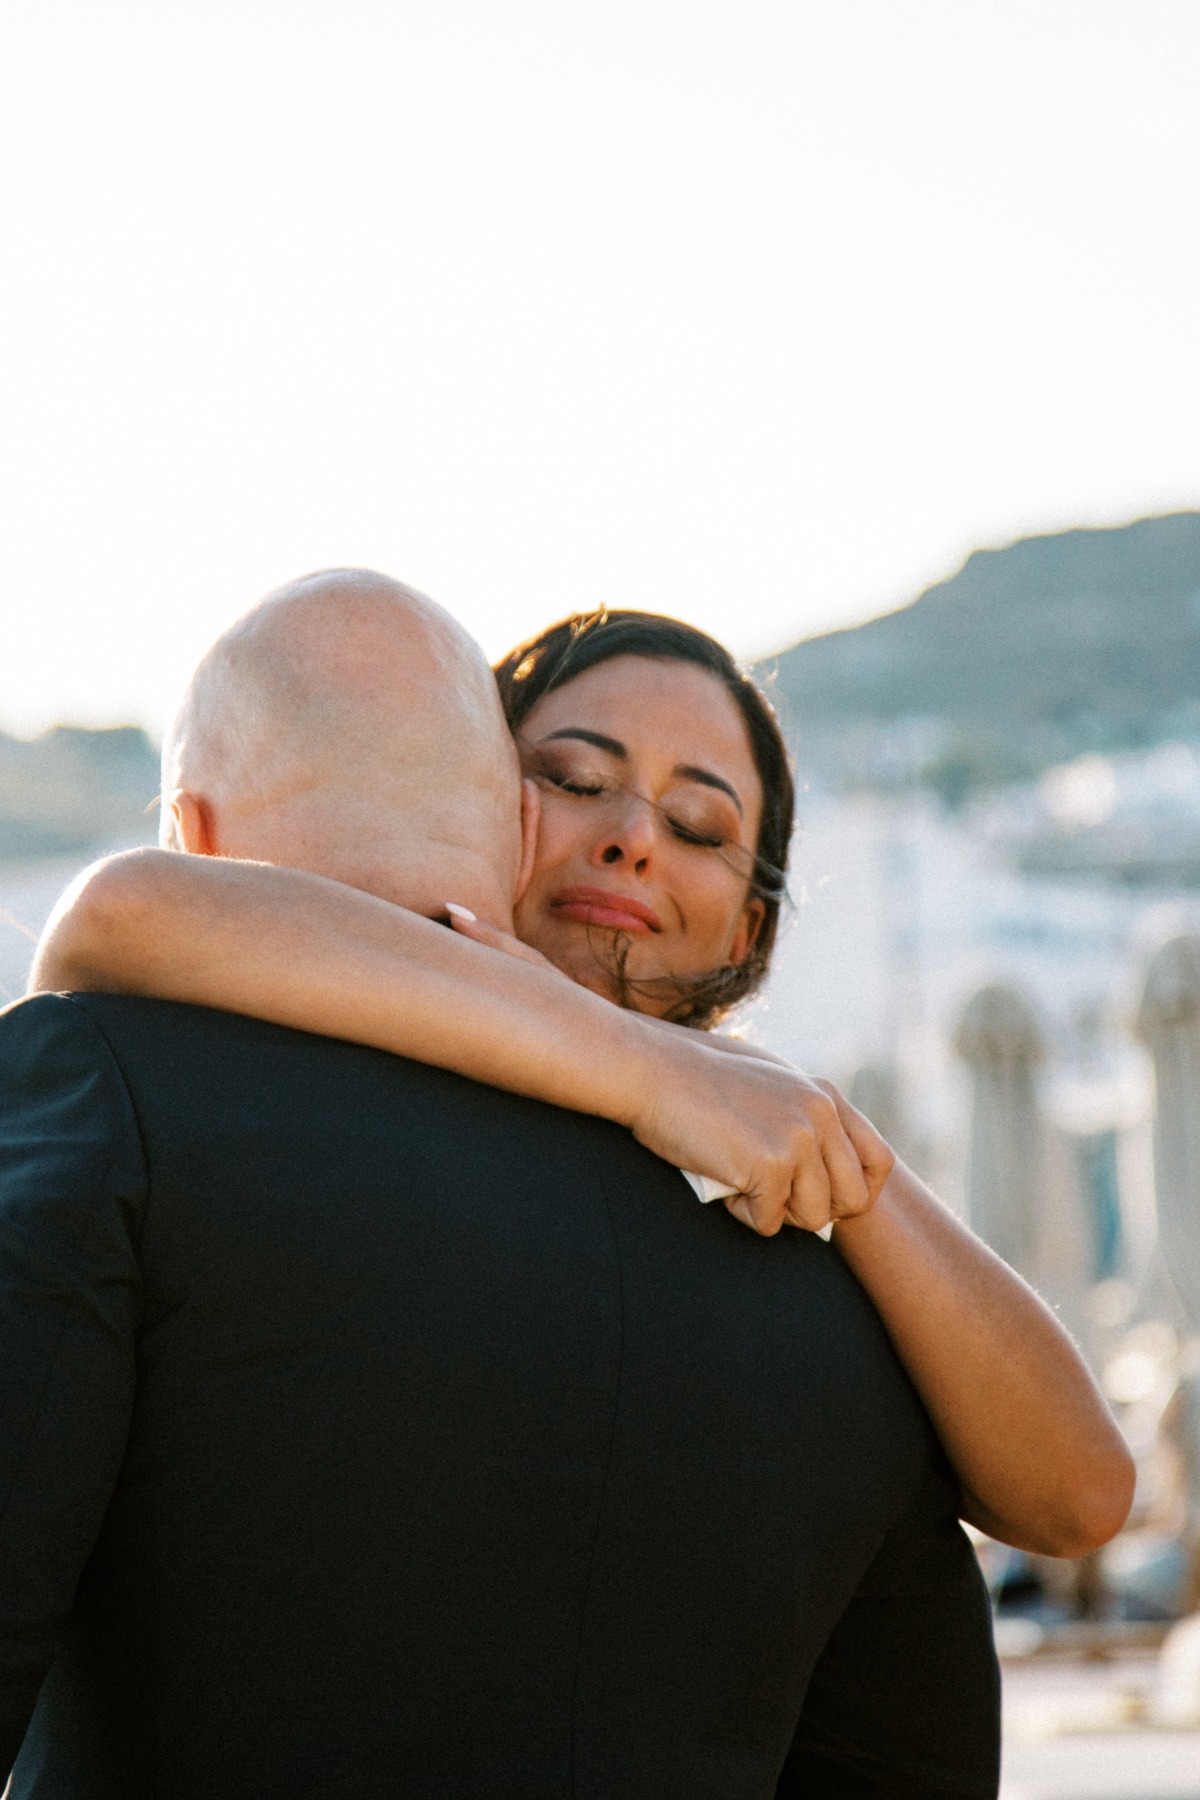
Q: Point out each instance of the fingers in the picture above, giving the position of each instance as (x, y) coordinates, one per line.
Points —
(849, 1191)
(821, 1177)
(740, 1206)
(795, 1187)
(804, 1156)
(875, 1155)
(464, 921)
(829, 1182)
(810, 1201)
(763, 1215)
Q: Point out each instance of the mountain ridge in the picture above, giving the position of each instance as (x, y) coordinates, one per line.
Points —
(1050, 647)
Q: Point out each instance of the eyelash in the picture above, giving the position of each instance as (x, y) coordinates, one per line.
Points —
(573, 787)
(701, 839)
(684, 833)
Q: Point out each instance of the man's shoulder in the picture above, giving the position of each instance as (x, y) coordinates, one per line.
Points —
(133, 1014)
(52, 1035)
(46, 1026)
(64, 1102)
(181, 1061)
(138, 1030)
(160, 1052)
(90, 1013)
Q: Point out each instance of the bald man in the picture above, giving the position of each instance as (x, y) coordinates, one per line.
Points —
(365, 1431)
(350, 727)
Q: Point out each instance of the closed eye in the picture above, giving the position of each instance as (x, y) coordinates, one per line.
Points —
(567, 785)
(689, 835)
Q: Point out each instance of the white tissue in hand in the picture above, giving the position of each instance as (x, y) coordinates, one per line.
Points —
(707, 1188)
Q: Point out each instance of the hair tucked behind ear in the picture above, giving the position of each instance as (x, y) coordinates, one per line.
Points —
(556, 656)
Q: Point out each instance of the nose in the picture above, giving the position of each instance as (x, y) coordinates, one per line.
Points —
(628, 837)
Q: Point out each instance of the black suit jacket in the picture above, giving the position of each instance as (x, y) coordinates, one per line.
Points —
(365, 1431)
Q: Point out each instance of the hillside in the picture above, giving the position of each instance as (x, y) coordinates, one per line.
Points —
(75, 790)
(1085, 640)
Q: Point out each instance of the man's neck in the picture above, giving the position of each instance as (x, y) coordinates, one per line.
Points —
(400, 859)
(429, 886)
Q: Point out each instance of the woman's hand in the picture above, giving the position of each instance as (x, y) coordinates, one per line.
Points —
(796, 1152)
(467, 925)
(875, 1154)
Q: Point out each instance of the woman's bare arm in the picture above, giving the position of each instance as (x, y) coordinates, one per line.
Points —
(1040, 1459)
(1038, 1453)
(303, 951)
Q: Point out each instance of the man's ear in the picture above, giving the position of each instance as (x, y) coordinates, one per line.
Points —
(753, 914)
(192, 827)
(531, 818)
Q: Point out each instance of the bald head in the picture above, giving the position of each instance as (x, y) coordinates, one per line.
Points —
(347, 725)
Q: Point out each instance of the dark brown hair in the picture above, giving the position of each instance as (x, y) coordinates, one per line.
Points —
(563, 651)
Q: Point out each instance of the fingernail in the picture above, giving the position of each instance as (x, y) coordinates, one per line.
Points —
(461, 912)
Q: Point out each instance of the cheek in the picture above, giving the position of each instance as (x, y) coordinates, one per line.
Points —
(716, 916)
(711, 899)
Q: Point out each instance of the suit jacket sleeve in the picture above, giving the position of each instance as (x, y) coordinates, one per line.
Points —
(904, 1703)
(72, 1185)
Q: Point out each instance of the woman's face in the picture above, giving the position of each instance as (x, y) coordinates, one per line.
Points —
(650, 812)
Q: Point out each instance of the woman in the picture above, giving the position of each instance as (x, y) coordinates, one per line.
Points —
(666, 810)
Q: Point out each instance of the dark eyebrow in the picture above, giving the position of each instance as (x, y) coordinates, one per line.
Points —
(596, 738)
(688, 771)
(708, 779)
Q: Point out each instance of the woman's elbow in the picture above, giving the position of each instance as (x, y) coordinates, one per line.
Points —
(102, 909)
(1096, 1508)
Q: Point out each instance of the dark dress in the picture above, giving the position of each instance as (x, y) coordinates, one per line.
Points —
(365, 1431)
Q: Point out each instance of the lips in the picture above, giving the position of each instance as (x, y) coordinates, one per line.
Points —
(615, 912)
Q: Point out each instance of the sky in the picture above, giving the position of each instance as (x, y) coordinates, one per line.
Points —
(759, 312)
